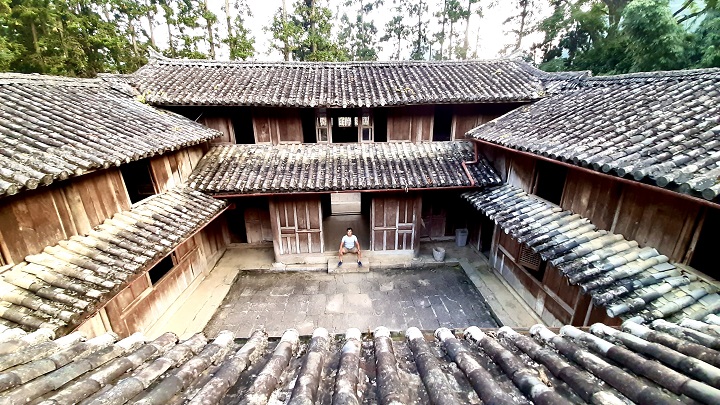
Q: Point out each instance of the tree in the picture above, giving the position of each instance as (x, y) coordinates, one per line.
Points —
(358, 38)
(396, 30)
(523, 21)
(656, 41)
(420, 45)
(306, 33)
(241, 44)
(706, 41)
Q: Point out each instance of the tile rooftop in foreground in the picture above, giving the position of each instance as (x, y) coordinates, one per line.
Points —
(668, 364)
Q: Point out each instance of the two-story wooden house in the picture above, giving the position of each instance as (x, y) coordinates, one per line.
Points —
(305, 143)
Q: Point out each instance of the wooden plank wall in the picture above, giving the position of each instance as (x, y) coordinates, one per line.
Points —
(467, 117)
(172, 169)
(394, 222)
(222, 124)
(32, 220)
(277, 125)
(410, 124)
(141, 303)
(296, 225)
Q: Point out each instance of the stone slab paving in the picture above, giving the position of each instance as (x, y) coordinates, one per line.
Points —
(396, 299)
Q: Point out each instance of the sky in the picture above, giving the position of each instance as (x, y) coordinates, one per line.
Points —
(489, 33)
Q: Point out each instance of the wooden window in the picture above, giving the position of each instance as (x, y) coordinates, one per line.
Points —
(365, 128)
(138, 180)
(549, 181)
(529, 259)
(345, 122)
(323, 126)
(161, 269)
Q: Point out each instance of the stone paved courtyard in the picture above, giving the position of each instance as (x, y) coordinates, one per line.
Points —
(396, 299)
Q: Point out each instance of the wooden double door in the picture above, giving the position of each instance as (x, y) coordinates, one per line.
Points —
(297, 225)
(394, 222)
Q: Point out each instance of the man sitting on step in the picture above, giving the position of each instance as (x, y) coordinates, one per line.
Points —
(350, 244)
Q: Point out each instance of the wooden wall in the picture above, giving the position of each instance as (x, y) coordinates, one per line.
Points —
(277, 125)
(223, 125)
(137, 307)
(296, 225)
(651, 217)
(172, 169)
(394, 222)
(410, 124)
(32, 220)
(467, 117)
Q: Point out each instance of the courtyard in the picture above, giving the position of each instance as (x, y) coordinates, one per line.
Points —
(394, 298)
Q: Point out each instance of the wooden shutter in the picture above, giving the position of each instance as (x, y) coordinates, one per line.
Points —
(299, 226)
(394, 223)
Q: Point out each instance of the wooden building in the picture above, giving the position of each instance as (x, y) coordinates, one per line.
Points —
(97, 230)
(636, 155)
(391, 131)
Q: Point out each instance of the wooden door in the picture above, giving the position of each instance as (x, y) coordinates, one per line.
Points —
(297, 226)
(257, 225)
(393, 223)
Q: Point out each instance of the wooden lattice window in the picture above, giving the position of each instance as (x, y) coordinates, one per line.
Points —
(529, 259)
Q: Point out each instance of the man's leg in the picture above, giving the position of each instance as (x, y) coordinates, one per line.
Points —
(341, 253)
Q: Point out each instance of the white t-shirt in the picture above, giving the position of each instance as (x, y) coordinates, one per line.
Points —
(349, 241)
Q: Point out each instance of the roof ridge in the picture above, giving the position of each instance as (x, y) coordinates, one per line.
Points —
(171, 61)
(42, 79)
(659, 75)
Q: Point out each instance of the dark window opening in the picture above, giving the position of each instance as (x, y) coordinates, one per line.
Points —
(704, 257)
(379, 125)
(343, 126)
(307, 117)
(243, 126)
(161, 269)
(442, 127)
(137, 179)
(550, 181)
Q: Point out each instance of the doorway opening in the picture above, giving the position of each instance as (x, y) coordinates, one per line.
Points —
(138, 180)
(342, 211)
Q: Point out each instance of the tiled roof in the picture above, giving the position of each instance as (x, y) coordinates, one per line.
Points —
(246, 169)
(59, 287)
(661, 128)
(493, 366)
(338, 84)
(631, 282)
(52, 128)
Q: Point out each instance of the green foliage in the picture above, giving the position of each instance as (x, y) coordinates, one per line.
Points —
(621, 36)
(655, 40)
(358, 37)
(306, 33)
(239, 40)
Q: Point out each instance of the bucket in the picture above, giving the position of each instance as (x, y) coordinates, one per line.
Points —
(438, 254)
(461, 236)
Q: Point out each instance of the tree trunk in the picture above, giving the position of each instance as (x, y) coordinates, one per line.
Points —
(133, 37)
(229, 27)
(444, 20)
(211, 40)
(450, 42)
(286, 49)
(312, 27)
(521, 31)
(35, 37)
(466, 43)
(151, 24)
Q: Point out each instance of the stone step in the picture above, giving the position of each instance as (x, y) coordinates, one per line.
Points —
(349, 266)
